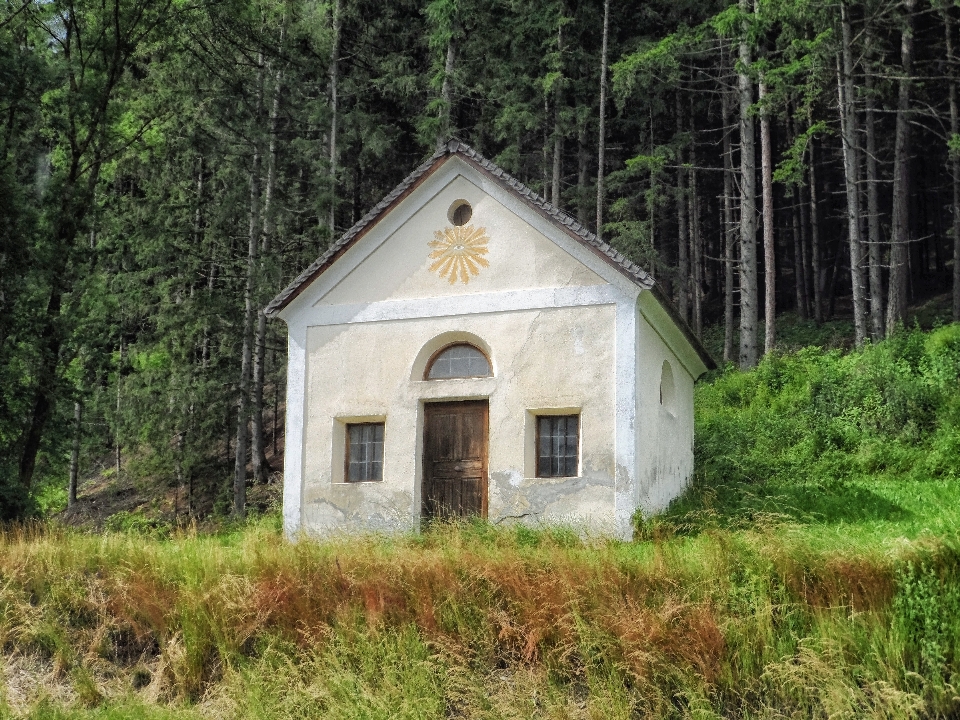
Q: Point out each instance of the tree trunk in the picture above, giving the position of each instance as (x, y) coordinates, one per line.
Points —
(851, 168)
(683, 243)
(191, 504)
(897, 299)
(545, 149)
(250, 311)
(729, 230)
(834, 274)
(334, 73)
(803, 207)
(211, 273)
(557, 135)
(798, 221)
(583, 169)
(769, 262)
(43, 405)
(261, 468)
(557, 159)
(276, 406)
(874, 249)
(602, 143)
(954, 161)
(799, 276)
(75, 455)
(83, 138)
(816, 253)
(695, 236)
(799, 236)
(446, 92)
(117, 457)
(198, 214)
(652, 206)
(178, 473)
(246, 357)
(748, 206)
(696, 264)
(211, 283)
(228, 436)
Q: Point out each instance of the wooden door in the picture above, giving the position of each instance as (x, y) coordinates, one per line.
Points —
(455, 459)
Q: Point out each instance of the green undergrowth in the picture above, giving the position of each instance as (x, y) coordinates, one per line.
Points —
(844, 447)
(811, 571)
(793, 333)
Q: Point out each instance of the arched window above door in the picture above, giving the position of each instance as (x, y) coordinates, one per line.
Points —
(460, 360)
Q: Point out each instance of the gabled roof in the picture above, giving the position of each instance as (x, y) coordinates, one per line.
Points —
(563, 220)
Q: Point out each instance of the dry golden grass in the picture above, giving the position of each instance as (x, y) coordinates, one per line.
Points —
(475, 622)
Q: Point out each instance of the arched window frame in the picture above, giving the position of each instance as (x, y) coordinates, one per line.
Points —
(445, 348)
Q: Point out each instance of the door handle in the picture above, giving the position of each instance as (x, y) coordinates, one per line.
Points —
(458, 468)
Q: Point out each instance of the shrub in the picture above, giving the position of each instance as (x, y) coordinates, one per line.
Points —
(892, 405)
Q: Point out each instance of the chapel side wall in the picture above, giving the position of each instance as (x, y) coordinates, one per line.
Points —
(664, 431)
(558, 359)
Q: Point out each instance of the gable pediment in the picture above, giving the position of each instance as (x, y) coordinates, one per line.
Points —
(417, 251)
(514, 244)
(452, 162)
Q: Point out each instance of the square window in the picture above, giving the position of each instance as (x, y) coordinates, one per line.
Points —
(558, 445)
(364, 452)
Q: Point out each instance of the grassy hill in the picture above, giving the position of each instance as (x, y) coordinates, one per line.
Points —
(812, 570)
(861, 445)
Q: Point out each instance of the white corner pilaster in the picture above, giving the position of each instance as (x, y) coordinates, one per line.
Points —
(294, 429)
(626, 493)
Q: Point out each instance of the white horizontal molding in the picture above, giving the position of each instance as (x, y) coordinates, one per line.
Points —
(477, 304)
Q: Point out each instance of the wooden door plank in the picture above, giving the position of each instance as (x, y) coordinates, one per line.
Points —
(455, 459)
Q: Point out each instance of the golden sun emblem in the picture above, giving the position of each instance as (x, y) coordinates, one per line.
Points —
(458, 252)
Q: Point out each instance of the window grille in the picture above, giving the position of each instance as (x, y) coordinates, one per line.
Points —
(558, 445)
(364, 452)
(458, 361)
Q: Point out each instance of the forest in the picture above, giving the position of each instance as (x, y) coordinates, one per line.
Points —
(169, 165)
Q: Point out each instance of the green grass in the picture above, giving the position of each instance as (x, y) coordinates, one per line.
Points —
(863, 445)
(812, 570)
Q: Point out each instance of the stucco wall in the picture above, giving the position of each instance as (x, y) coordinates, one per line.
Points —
(543, 360)
(665, 425)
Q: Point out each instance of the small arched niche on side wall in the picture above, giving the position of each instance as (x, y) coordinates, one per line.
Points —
(433, 346)
(668, 389)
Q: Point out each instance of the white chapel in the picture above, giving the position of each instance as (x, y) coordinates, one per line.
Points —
(469, 349)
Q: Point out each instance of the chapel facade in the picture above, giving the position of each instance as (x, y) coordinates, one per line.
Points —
(468, 349)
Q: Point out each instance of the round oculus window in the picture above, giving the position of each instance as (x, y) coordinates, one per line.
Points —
(460, 213)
